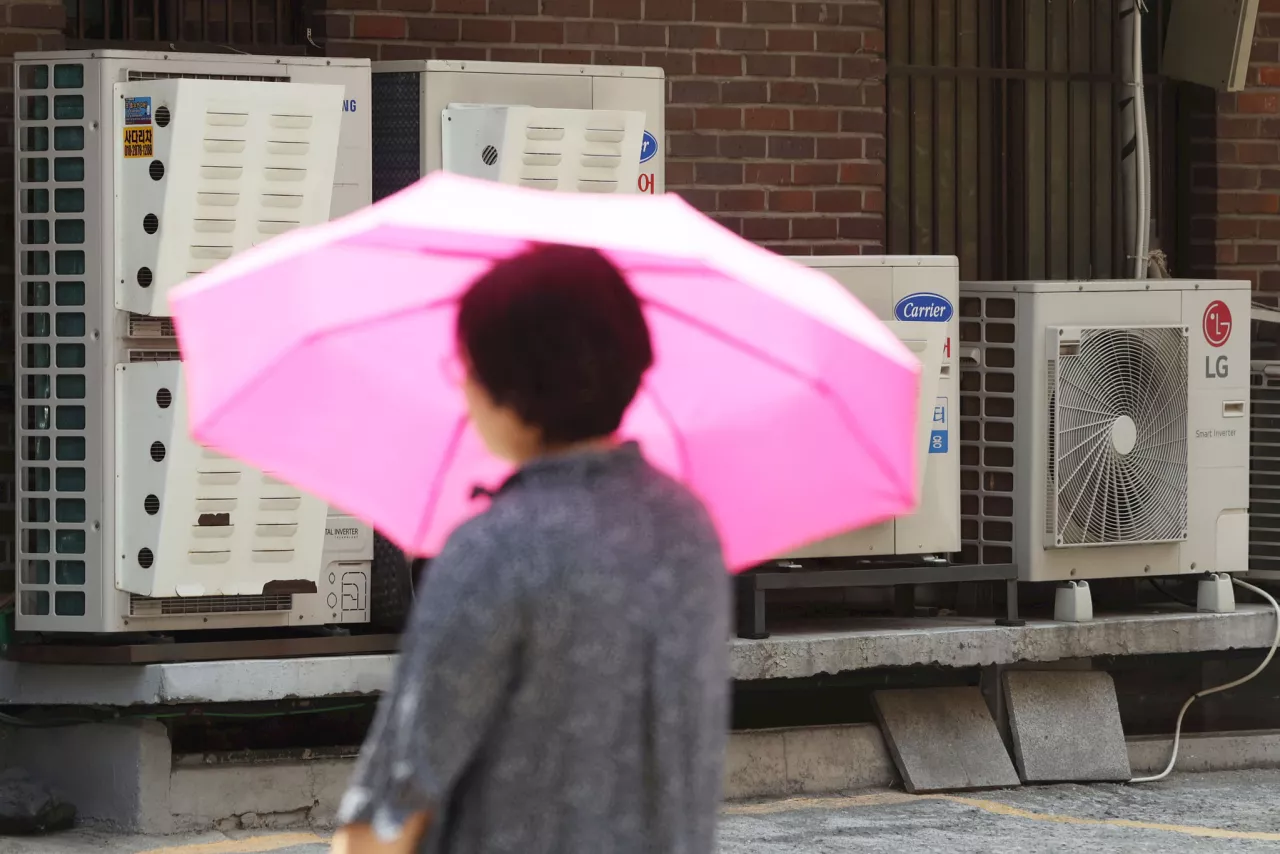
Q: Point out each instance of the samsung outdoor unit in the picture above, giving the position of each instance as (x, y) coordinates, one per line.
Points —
(568, 128)
(915, 297)
(137, 172)
(1104, 427)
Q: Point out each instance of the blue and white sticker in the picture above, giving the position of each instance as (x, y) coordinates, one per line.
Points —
(924, 306)
(939, 432)
(137, 111)
(648, 147)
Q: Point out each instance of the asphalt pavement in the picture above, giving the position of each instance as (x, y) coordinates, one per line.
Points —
(1229, 811)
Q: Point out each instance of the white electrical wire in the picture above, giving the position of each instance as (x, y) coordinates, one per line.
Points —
(1177, 728)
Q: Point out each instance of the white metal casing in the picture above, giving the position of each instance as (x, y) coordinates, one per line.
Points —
(1004, 352)
(410, 99)
(72, 341)
(578, 151)
(243, 162)
(916, 297)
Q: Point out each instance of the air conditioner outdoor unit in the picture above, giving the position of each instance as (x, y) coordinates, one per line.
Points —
(1264, 470)
(571, 128)
(137, 171)
(1104, 428)
(915, 296)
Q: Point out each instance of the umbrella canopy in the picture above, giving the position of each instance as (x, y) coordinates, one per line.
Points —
(326, 357)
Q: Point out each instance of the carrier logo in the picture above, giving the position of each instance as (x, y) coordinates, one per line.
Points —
(648, 147)
(933, 308)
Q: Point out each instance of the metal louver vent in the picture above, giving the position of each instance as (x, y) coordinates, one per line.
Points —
(1118, 455)
(1264, 470)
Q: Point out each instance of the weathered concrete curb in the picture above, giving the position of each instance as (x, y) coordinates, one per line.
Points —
(124, 776)
(849, 645)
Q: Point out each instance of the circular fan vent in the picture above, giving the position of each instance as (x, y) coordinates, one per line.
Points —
(1119, 445)
(489, 155)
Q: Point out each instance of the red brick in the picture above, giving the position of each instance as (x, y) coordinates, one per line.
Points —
(844, 41)
(566, 8)
(703, 200)
(766, 228)
(514, 54)
(738, 38)
(838, 201)
(745, 92)
(724, 11)
(817, 13)
(840, 94)
(769, 174)
(764, 118)
(814, 228)
(692, 145)
(364, 50)
(514, 7)
(539, 32)
(790, 40)
(695, 92)
(817, 66)
(718, 173)
(791, 201)
(862, 173)
(618, 58)
(816, 121)
(333, 26)
(625, 10)
(1270, 179)
(679, 173)
(1257, 152)
(1268, 76)
(1257, 253)
(839, 148)
(1229, 127)
(380, 27)
(791, 147)
(1257, 102)
(486, 30)
(768, 65)
(1255, 203)
(718, 64)
(717, 118)
(867, 14)
(769, 12)
(590, 32)
(873, 201)
(680, 118)
(861, 67)
(37, 16)
(862, 228)
(462, 7)
(645, 35)
(668, 10)
(740, 146)
(566, 56)
(741, 200)
(692, 37)
(815, 174)
(792, 92)
(873, 41)
(675, 64)
(729, 223)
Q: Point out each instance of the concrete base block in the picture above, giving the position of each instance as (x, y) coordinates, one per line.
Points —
(943, 739)
(1201, 752)
(1065, 726)
(248, 796)
(809, 761)
(115, 774)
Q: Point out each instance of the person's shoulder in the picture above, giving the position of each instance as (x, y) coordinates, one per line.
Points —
(677, 503)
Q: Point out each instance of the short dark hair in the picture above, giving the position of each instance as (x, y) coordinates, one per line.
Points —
(557, 335)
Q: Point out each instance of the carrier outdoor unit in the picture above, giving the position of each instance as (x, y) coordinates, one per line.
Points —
(569, 128)
(1104, 427)
(137, 171)
(915, 296)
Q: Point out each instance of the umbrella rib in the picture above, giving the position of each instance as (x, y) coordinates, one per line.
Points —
(818, 385)
(685, 463)
(437, 483)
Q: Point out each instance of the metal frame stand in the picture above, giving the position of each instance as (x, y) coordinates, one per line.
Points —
(753, 588)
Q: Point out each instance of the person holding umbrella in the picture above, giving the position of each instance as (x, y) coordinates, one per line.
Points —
(563, 683)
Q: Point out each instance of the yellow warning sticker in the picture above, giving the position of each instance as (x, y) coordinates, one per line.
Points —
(137, 142)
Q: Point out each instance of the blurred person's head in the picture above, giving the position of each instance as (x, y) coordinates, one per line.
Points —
(554, 345)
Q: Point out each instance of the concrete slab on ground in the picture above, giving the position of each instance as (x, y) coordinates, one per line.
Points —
(821, 647)
(1214, 813)
(1065, 726)
(943, 739)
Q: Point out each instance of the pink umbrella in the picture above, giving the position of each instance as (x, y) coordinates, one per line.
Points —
(325, 357)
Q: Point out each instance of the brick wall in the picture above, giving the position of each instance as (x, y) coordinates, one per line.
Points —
(1234, 210)
(775, 116)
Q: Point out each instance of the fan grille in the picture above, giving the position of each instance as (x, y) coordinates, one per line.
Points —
(1118, 437)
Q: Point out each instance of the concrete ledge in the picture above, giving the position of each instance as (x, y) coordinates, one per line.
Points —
(836, 647)
(124, 776)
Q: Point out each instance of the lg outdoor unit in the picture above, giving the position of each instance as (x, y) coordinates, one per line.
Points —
(137, 171)
(915, 297)
(569, 128)
(1104, 427)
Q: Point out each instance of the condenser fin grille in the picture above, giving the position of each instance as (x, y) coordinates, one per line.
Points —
(1118, 460)
(142, 606)
(1264, 468)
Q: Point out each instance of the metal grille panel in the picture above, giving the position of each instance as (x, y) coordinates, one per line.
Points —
(1264, 469)
(397, 132)
(141, 606)
(987, 386)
